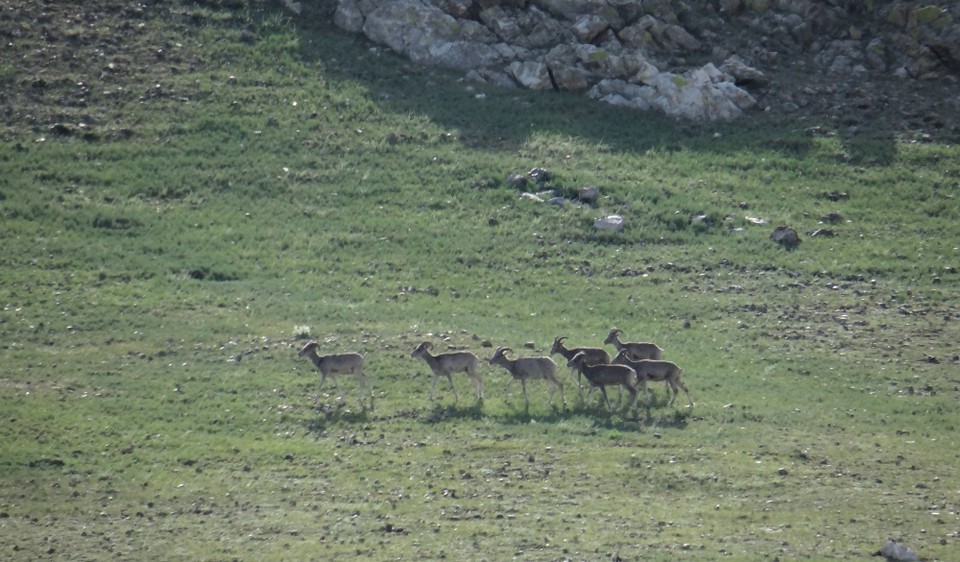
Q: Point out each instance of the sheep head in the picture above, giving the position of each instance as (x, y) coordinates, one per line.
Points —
(307, 348)
(558, 344)
(421, 349)
(612, 336)
(500, 352)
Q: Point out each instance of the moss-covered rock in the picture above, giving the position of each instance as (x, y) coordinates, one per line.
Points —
(760, 6)
(897, 15)
(933, 16)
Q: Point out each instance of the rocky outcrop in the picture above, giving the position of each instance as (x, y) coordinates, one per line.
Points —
(697, 59)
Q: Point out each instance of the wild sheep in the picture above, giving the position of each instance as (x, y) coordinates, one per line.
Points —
(637, 350)
(656, 370)
(528, 368)
(593, 355)
(445, 364)
(604, 375)
(333, 365)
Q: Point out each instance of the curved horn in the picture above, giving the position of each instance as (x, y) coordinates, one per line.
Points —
(500, 352)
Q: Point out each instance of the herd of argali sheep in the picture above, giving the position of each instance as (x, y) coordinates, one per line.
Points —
(634, 365)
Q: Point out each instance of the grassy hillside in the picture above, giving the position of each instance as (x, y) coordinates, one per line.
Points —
(192, 190)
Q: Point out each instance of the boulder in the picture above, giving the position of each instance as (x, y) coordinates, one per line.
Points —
(506, 25)
(348, 16)
(610, 222)
(571, 9)
(946, 47)
(786, 236)
(588, 195)
(570, 78)
(427, 35)
(531, 74)
(742, 73)
(588, 27)
(897, 552)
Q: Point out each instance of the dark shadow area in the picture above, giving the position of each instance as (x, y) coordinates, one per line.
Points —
(504, 119)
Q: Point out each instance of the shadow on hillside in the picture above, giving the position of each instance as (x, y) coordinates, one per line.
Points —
(486, 117)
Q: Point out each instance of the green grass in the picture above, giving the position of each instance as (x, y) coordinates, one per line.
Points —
(164, 263)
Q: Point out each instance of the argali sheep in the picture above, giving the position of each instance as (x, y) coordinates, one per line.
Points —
(603, 375)
(637, 350)
(445, 364)
(528, 368)
(656, 370)
(592, 355)
(336, 364)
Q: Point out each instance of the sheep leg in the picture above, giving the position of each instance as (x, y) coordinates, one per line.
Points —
(433, 386)
(371, 387)
(523, 385)
(579, 380)
(646, 391)
(633, 396)
(589, 394)
(603, 390)
(687, 392)
(454, 388)
(363, 386)
(323, 379)
(477, 382)
(507, 389)
(676, 385)
(554, 385)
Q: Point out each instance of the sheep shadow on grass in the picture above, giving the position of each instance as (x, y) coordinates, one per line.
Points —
(333, 413)
(441, 413)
